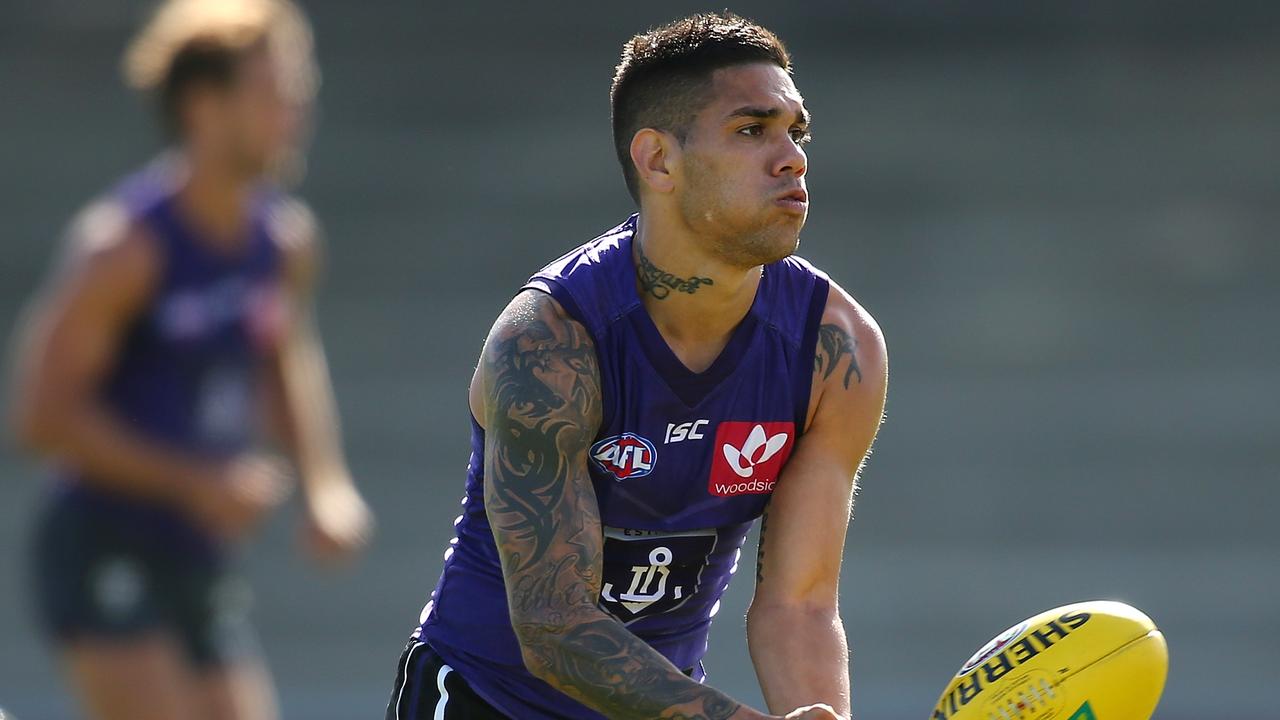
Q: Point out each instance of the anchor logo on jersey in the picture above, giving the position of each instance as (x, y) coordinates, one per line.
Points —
(625, 456)
(647, 573)
(644, 591)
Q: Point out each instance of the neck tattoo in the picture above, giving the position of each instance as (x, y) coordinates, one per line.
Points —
(659, 283)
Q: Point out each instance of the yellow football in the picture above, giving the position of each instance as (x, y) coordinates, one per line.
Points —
(1097, 660)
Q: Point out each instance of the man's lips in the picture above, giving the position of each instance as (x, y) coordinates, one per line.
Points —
(796, 200)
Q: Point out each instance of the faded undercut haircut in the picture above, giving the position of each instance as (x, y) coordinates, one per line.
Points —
(662, 79)
(190, 43)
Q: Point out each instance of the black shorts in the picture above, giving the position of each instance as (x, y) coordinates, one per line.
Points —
(428, 689)
(98, 575)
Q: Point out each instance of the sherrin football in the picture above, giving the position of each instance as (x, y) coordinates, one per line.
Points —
(1097, 660)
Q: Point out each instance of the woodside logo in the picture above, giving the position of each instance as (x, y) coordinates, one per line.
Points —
(749, 457)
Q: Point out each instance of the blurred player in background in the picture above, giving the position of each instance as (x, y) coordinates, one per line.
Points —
(181, 309)
(640, 403)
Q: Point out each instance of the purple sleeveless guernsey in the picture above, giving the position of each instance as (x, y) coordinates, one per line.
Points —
(682, 466)
(185, 372)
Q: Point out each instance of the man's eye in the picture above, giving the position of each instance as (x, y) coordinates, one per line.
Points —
(752, 130)
(800, 136)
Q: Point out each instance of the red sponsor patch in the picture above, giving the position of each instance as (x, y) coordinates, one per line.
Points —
(749, 456)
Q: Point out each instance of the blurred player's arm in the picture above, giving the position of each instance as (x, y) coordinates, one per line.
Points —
(794, 631)
(67, 345)
(301, 410)
(541, 408)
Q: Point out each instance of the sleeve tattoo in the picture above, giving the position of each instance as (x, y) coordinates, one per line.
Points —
(542, 394)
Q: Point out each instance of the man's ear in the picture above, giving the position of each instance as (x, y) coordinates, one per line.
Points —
(655, 155)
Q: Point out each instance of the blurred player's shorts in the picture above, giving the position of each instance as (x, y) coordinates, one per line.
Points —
(98, 574)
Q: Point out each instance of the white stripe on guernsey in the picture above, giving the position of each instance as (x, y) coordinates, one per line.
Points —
(400, 697)
(444, 694)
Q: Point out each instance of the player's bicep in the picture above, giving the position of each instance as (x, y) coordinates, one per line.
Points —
(803, 533)
(297, 236)
(295, 349)
(72, 331)
(541, 397)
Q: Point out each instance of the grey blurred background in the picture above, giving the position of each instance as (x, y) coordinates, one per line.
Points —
(1063, 215)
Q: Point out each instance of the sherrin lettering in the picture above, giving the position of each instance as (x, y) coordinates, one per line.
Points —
(1014, 654)
(1100, 659)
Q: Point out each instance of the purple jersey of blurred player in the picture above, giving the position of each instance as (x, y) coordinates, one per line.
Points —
(185, 373)
(683, 464)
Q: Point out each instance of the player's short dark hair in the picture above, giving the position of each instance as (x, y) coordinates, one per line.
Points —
(662, 78)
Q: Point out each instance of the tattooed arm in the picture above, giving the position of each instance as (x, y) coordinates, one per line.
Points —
(794, 630)
(541, 407)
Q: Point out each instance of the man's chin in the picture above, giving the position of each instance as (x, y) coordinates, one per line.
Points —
(787, 235)
(778, 247)
(789, 249)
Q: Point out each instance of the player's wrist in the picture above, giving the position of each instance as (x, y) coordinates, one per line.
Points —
(326, 478)
(192, 490)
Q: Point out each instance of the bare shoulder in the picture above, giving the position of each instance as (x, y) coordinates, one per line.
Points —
(106, 230)
(296, 232)
(851, 349)
(538, 361)
(109, 253)
(535, 313)
(850, 381)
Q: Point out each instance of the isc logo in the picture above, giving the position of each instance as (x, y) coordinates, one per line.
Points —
(684, 431)
(625, 456)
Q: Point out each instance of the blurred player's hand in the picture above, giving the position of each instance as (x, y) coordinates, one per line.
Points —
(820, 711)
(240, 495)
(338, 522)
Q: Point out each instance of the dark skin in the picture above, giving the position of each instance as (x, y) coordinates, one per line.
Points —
(69, 344)
(834, 344)
(659, 284)
(541, 399)
(794, 630)
(537, 393)
(229, 138)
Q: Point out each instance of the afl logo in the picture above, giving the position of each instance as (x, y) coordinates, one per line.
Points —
(625, 456)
